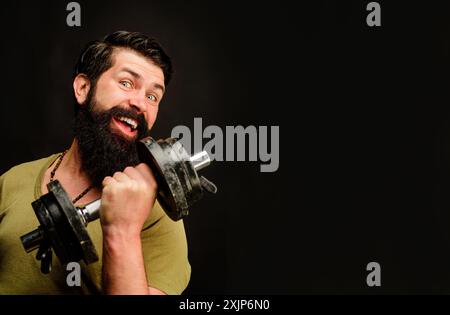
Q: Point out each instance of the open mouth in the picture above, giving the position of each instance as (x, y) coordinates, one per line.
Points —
(126, 125)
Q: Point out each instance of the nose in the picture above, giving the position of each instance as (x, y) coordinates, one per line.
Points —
(138, 101)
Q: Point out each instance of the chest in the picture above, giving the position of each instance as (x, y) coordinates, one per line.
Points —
(74, 187)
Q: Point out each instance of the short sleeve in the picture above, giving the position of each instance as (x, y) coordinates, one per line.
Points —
(2, 197)
(165, 253)
(5, 200)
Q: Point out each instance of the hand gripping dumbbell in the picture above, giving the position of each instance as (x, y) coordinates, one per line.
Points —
(63, 226)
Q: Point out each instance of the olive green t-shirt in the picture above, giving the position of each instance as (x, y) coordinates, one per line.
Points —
(163, 241)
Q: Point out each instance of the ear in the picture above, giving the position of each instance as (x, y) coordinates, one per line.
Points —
(81, 87)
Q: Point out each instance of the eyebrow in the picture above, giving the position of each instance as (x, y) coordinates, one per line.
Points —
(137, 76)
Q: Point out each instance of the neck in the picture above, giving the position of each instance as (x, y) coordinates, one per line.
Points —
(71, 176)
(71, 164)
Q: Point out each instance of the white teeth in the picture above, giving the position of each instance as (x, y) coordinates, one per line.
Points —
(129, 121)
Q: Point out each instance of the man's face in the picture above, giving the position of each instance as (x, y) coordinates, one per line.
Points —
(134, 84)
(119, 110)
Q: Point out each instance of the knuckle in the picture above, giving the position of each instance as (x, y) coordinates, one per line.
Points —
(142, 167)
(128, 169)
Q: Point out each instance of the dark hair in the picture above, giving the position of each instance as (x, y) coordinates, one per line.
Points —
(96, 56)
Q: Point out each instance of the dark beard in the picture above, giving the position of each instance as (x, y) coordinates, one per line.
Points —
(103, 152)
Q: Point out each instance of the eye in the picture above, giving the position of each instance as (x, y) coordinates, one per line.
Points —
(152, 98)
(126, 84)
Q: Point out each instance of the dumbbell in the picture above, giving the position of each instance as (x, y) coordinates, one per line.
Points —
(62, 226)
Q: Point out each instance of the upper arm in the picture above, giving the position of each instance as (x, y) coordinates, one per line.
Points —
(154, 291)
(5, 201)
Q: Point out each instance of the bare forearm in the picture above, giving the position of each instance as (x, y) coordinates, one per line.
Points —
(123, 264)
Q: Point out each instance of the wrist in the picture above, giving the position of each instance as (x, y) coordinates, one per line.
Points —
(115, 238)
(123, 270)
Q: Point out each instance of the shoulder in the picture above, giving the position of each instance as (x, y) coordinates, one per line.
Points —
(20, 179)
(23, 172)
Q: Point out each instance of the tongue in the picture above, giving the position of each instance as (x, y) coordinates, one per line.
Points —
(126, 125)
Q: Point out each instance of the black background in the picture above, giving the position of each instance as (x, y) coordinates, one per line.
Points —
(364, 131)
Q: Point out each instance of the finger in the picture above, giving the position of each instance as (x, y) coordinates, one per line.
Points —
(121, 177)
(134, 173)
(107, 181)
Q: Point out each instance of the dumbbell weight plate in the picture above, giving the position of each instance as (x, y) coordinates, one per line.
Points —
(179, 186)
(185, 170)
(66, 230)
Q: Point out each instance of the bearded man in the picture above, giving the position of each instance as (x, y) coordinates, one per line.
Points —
(118, 85)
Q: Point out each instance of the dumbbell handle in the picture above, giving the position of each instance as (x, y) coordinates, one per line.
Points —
(91, 211)
(32, 240)
(200, 160)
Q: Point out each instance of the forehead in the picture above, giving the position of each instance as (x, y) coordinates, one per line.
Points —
(123, 58)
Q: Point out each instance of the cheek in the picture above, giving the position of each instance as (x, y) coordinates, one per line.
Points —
(152, 112)
(108, 96)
